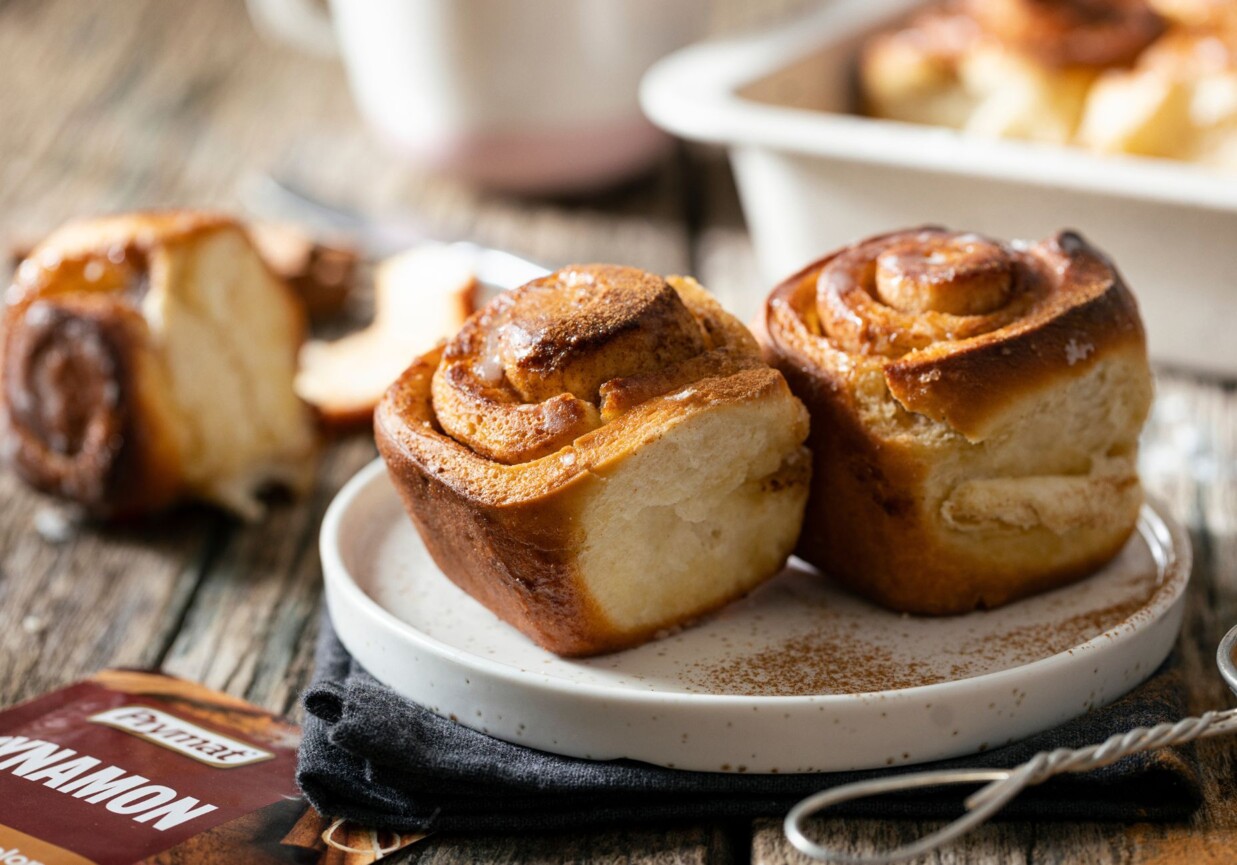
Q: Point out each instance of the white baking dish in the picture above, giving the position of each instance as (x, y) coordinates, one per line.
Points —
(812, 177)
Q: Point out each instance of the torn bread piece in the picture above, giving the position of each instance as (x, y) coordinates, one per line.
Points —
(421, 296)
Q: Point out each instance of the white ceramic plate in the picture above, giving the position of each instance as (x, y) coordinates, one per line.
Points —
(798, 677)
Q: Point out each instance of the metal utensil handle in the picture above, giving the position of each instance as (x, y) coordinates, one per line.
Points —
(1004, 784)
(278, 198)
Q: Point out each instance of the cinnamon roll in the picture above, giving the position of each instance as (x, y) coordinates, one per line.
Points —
(598, 456)
(975, 411)
(149, 357)
(1002, 68)
(1178, 102)
(421, 296)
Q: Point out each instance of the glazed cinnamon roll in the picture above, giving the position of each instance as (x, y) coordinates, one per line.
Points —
(598, 456)
(149, 357)
(975, 411)
(1002, 68)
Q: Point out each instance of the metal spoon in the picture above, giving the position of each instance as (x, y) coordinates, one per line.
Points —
(276, 198)
(1004, 784)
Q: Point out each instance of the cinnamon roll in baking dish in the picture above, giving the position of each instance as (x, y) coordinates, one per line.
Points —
(1179, 101)
(599, 455)
(1002, 68)
(975, 412)
(149, 357)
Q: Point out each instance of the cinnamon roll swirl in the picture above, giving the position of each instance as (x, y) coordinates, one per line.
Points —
(975, 411)
(599, 455)
(149, 357)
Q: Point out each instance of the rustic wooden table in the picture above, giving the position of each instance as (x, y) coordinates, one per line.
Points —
(139, 103)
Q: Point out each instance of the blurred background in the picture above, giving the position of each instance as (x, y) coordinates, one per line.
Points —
(147, 104)
(520, 126)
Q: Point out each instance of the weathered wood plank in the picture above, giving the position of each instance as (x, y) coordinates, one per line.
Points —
(73, 597)
(671, 846)
(155, 108)
(115, 106)
(251, 624)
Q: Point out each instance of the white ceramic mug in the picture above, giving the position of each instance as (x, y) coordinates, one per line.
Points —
(528, 95)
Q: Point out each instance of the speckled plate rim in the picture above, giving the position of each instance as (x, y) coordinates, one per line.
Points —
(578, 719)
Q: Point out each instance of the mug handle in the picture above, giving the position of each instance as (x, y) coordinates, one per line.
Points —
(303, 24)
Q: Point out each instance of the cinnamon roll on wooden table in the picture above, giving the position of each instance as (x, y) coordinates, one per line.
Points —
(975, 407)
(147, 358)
(598, 456)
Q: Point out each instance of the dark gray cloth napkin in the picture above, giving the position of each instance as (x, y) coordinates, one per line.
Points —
(375, 757)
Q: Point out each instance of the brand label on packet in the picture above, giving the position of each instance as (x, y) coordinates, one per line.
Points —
(213, 749)
(139, 767)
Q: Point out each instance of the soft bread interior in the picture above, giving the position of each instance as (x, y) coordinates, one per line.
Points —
(1055, 472)
(1058, 473)
(1153, 115)
(988, 91)
(1019, 99)
(228, 331)
(696, 517)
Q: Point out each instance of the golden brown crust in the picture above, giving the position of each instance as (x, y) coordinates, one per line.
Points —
(83, 406)
(1065, 304)
(524, 378)
(409, 414)
(1096, 33)
(503, 519)
(514, 558)
(1171, 103)
(1019, 69)
(901, 399)
(1218, 14)
(1052, 33)
(1085, 309)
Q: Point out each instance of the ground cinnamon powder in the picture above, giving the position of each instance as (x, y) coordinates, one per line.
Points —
(833, 658)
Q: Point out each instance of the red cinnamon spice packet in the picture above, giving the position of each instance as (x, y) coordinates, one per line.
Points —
(130, 767)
